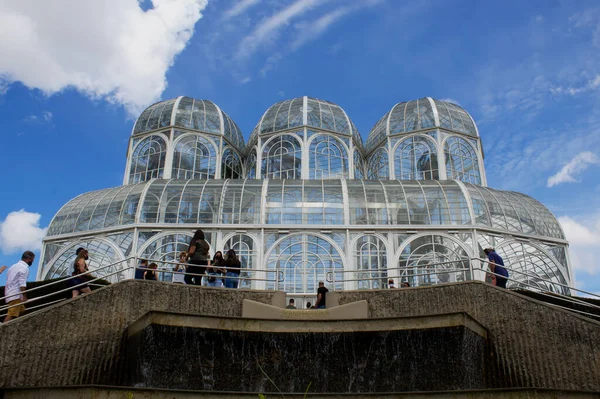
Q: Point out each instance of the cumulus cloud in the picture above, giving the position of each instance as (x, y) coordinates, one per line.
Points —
(570, 172)
(110, 49)
(21, 231)
(584, 241)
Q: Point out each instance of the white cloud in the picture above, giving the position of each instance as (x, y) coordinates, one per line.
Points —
(108, 49)
(308, 31)
(239, 8)
(269, 27)
(44, 118)
(569, 172)
(589, 85)
(21, 231)
(584, 241)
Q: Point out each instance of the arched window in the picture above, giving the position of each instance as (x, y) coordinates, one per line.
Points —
(433, 259)
(231, 167)
(416, 159)
(103, 254)
(532, 268)
(195, 157)
(461, 161)
(371, 262)
(166, 249)
(379, 165)
(302, 261)
(251, 165)
(359, 166)
(148, 159)
(282, 158)
(245, 250)
(328, 158)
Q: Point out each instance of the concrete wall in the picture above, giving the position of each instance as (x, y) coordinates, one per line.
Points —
(82, 341)
(532, 344)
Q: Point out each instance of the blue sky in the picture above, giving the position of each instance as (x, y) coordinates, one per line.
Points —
(74, 79)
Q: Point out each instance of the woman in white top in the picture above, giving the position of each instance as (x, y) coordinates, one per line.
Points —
(179, 275)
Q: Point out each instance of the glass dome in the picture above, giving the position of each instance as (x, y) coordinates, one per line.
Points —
(202, 115)
(306, 111)
(425, 113)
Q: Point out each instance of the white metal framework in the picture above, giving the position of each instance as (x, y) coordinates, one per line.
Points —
(305, 200)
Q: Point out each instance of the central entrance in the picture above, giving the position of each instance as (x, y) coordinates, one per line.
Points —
(298, 262)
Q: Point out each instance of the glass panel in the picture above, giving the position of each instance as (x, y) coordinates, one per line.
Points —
(328, 158)
(282, 158)
(461, 161)
(416, 159)
(379, 166)
(433, 259)
(195, 157)
(148, 159)
(231, 167)
(370, 255)
(304, 260)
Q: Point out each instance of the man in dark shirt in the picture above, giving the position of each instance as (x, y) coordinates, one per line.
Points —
(496, 265)
(141, 269)
(321, 295)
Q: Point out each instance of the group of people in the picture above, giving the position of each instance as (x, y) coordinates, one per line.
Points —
(195, 266)
(321, 302)
(404, 284)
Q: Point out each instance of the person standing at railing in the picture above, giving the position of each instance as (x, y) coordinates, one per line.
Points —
(198, 257)
(150, 274)
(179, 270)
(79, 268)
(216, 271)
(16, 284)
(234, 267)
(496, 265)
(141, 269)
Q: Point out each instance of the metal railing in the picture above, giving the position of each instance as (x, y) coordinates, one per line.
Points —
(379, 275)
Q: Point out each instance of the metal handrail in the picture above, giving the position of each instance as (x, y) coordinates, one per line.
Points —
(540, 278)
(68, 278)
(446, 271)
(328, 275)
(554, 295)
(63, 290)
(460, 260)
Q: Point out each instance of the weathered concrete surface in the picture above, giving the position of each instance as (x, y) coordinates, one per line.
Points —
(145, 393)
(175, 351)
(81, 342)
(532, 343)
(257, 310)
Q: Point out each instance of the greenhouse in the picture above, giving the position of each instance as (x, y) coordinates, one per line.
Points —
(306, 200)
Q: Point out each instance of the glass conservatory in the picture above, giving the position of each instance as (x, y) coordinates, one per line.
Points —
(305, 200)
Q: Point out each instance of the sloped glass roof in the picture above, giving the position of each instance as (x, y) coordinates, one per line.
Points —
(318, 113)
(306, 202)
(421, 114)
(190, 113)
